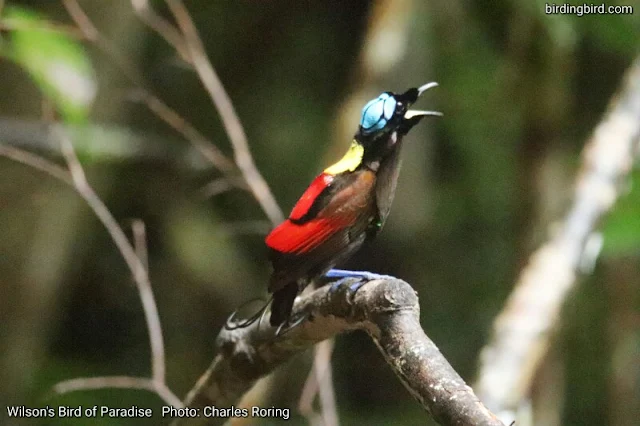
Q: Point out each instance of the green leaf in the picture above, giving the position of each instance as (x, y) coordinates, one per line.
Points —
(56, 62)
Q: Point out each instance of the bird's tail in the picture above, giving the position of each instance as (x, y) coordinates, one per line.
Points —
(283, 304)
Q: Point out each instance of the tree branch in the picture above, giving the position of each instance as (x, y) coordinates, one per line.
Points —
(189, 46)
(76, 178)
(118, 382)
(109, 143)
(387, 310)
(230, 120)
(210, 151)
(320, 382)
(522, 332)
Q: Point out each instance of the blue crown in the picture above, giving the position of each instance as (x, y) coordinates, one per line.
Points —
(377, 113)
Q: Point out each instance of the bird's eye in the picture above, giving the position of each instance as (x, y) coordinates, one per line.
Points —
(377, 113)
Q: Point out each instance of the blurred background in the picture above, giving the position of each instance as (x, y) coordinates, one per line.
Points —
(480, 189)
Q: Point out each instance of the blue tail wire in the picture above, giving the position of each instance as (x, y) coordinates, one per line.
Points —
(229, 324)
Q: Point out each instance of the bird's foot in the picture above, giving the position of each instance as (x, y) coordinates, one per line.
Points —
(354, 279)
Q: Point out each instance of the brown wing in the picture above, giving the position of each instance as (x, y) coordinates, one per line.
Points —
(335, 233)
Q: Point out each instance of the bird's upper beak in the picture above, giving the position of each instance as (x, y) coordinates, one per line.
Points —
(412, 113)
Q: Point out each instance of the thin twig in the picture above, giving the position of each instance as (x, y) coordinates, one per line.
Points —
(523, 331)
(243, 160)
(91, 34)
(134, 263)
(37, 162)
(224, 106)
(215, 187)
(190, 133)
(76, 179)
(162, 27)
(118, 382)
(308, 394)
(320, 382)
(146, 97)
(322, 366)
(140, 242)
(82, 20)
(155, 330)
(257, 396)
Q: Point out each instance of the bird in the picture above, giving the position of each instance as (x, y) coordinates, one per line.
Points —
(345, 206)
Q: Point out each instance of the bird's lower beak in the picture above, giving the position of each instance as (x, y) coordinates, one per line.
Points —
(412, 113)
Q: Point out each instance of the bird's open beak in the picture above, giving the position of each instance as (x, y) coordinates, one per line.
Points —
(412, 113)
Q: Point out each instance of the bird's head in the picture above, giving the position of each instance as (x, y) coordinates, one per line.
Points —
(388, 116)
(384, 121)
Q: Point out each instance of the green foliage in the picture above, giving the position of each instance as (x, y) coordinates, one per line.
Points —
(617, 33)
(622, 228)
(58, 64)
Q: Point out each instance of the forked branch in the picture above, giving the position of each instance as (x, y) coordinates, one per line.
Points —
(75, 177)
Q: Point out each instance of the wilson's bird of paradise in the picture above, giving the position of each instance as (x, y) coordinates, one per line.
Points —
(345, 206)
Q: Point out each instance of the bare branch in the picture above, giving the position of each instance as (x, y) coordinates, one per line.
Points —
(322, 366)
(118, 382)
(165, 29)
(523, 331)
(140, 242)
(309, 392)
(82, 20)
(102, 212)
(215, 187)
(156, 339)
(224, 106)
(129, 255)
(243, 160)
(92, 383)
(77, 179)
(320, 382)
(146, 97)
(387, 310)
(37, 162)
(190, 133)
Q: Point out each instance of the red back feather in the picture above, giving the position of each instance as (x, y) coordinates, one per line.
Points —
(305, 202)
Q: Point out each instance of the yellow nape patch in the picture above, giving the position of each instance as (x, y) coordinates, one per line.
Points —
(351, 160)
